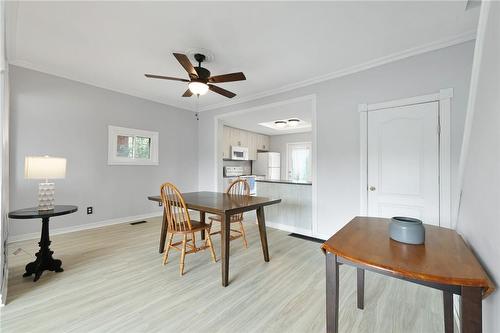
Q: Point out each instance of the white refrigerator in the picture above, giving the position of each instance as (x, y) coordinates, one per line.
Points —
(268, 165)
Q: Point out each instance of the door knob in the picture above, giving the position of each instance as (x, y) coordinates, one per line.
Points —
(372, 188)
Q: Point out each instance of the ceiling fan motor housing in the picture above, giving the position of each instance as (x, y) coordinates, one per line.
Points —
(203, 73)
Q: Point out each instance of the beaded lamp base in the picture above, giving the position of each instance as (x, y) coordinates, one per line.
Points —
(46, 196)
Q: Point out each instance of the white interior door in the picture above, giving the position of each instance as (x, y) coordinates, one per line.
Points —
(403, 162)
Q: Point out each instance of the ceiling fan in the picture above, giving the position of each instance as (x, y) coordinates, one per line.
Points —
(200, 80)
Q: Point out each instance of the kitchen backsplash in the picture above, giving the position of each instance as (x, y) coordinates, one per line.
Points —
(247, 165)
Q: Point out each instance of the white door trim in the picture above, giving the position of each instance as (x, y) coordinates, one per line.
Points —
(444, 97)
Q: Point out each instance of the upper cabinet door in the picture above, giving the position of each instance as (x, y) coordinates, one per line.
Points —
(252, 146)
(262, 142)
(235, 137)
(226, 142)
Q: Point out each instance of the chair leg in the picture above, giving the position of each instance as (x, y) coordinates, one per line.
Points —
(208, 232)
(210, 245)
(194, 242)
(183, 255)
(242, 230)
(169, 243)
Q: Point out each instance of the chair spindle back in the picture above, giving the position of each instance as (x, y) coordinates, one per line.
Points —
(175, 208)
(238, 187)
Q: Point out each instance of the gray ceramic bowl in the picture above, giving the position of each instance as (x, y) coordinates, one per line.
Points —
(407, 230)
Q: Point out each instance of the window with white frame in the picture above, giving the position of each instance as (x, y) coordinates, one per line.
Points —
(299, 157)
(129, 146)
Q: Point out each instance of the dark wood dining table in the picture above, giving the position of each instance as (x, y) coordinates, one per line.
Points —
(443, 262)
(223, 205)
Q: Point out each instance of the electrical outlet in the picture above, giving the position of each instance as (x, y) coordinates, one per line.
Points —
(160, 203)
(90, 210)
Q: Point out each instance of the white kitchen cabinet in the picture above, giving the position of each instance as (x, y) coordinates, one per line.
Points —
(237, 137)
(263, 142)
(226, 142)
(252, 146)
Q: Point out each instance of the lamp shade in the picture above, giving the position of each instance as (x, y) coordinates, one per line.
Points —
(44, 167)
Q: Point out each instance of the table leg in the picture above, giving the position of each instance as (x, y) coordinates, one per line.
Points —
(44, 260)
(224, 245)
(471, 309)
(448, 311)
(361, 288)
(262, 231)
(202, 221)
(163, 234)
(332, 293)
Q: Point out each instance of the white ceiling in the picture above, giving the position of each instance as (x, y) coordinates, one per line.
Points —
(249, 119)
(277, 45)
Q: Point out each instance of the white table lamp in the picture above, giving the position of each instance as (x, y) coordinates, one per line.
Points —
(45, 167)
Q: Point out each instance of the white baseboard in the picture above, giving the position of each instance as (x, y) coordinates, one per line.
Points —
(58, 231)
(3, 296)
(284, 227)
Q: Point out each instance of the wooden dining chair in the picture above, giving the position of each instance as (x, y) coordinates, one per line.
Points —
(180, 223)
(237, 187)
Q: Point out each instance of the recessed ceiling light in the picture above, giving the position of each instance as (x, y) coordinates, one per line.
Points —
(291, 124)
(280, 123)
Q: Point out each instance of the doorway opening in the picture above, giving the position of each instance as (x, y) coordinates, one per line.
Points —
(264, 135)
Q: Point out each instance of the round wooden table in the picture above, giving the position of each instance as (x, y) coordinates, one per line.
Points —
(44, 259)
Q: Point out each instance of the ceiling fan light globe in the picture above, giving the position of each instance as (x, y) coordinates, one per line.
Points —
(198, 88)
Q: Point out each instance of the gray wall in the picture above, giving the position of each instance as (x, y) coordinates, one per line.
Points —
(59, 117)
(479, 217)
(278, 144)
(338, 133)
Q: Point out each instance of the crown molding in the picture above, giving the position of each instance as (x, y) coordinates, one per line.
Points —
(436, 45)
(45, 70)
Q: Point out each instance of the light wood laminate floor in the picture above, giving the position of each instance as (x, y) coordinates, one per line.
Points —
(113, 281)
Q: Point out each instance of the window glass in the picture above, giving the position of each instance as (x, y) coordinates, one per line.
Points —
(299, 161)
(124, 146)
(142, 147)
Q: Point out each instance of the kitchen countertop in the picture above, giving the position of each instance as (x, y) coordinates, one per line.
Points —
(284, 181)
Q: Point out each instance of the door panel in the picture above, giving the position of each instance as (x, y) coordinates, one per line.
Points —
(403, 162)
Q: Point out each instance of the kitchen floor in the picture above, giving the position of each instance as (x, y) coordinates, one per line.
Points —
(113, 281)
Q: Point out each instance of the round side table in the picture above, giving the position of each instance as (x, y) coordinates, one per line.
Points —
(44, 260)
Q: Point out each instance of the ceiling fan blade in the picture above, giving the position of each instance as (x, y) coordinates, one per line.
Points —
(221, 91)
(227, 77)
(152, 76)
(187, 93)
(184, 61)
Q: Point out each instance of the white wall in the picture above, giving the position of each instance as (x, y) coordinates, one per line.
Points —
(479, 215)
(278, 144)
(337, 122)
(60, 117)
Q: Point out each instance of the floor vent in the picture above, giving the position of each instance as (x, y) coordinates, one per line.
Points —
(312, 239)
(138, 222)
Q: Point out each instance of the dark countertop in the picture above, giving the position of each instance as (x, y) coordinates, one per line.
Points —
(284, 181)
